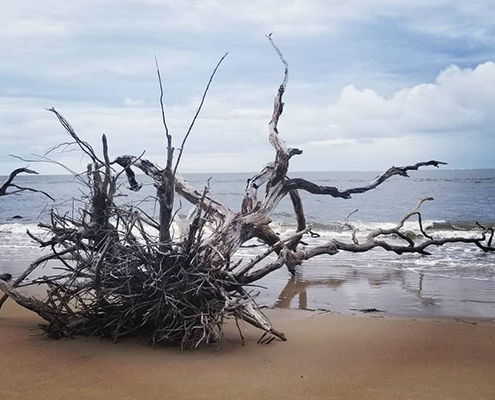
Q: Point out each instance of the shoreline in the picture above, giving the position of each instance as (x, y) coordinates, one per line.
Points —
(327, 355)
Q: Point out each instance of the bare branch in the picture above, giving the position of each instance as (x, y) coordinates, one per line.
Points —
(396, 229)
(84, 146)
(182, 186)
(170, 149)
(44, 159)
(282, 153)
(303, 184)
(277, 246)
(186, 136)
(9, 183)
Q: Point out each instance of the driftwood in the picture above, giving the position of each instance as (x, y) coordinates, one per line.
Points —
(122, 272)
(14, 188)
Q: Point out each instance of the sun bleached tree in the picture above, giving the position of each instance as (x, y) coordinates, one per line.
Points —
(124, 272)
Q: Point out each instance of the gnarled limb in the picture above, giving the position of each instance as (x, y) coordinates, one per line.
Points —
(396, 230)
(333, 246)
(182, 186)
(31, 269)
(303, 184)
(27, 302)
(9, 183)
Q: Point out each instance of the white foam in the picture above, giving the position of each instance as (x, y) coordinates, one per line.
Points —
(16, 229)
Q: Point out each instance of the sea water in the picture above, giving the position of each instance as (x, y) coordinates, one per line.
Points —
(456, 280)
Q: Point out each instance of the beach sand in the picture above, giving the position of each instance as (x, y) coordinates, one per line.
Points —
(327, 356)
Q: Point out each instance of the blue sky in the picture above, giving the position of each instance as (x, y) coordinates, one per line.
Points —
(372, 83)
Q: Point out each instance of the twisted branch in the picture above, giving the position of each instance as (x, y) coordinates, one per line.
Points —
(9, 184)
(303, 184)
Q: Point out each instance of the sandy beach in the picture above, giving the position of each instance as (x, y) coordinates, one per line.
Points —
(327, 356)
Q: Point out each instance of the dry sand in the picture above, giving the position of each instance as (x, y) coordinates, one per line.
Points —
(326, 357)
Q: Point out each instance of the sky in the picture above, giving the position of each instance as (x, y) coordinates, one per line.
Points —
(371, 83)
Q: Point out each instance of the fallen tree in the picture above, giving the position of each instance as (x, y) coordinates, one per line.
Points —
(121, 271)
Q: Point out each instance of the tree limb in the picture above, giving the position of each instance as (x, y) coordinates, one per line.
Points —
(9, 183)
(186, 136)
(303, 184)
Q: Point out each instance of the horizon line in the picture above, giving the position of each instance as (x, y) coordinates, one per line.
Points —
(138, 172)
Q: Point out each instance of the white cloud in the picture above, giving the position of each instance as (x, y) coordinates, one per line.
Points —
(231, 133)
(292, 17)
(226, 129)
(130, 102)
(103, 50)
(311, 17)
(456, 111)
(38, 26)
(459, 101)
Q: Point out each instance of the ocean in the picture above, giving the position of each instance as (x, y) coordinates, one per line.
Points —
(454, 281)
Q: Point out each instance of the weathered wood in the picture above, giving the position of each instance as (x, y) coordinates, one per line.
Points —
(303, 184)
(121, 272)
(9, 183)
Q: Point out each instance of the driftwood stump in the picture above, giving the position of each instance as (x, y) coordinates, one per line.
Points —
(120, 271)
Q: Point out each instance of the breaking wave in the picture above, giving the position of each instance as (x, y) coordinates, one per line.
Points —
(434, 228)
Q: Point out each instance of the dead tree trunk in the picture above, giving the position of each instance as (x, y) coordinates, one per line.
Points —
(118, 278)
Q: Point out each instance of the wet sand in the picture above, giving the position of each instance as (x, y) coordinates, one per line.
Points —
(327, 356)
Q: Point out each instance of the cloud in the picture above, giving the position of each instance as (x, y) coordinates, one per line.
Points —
(460, 101)
(291, 17)
(454, 112)
(227, 126)
(94, 61)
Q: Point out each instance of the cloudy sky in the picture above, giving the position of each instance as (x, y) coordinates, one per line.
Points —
(372, 83)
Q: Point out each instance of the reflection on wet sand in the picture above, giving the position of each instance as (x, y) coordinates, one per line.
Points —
(297, 286)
